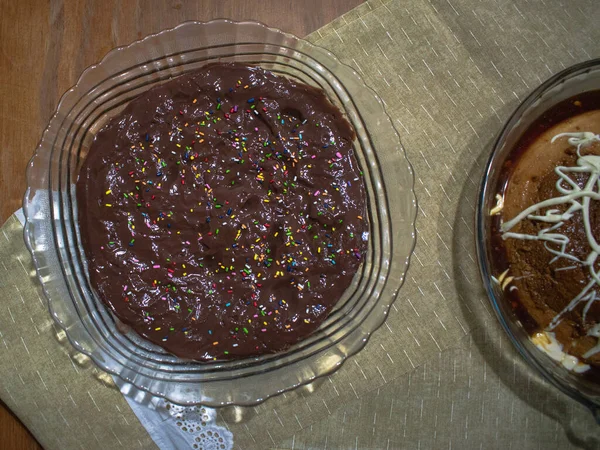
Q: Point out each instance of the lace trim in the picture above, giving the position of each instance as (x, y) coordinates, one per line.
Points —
(198, 426)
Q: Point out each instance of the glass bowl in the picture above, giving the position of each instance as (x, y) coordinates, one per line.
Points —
(571, 81)
(52, 234)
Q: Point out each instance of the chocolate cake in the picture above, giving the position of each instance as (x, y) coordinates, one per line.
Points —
(549, 224)
(223, 213)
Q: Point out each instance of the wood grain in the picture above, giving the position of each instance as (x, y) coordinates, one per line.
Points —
(45, 45)
(13, 436)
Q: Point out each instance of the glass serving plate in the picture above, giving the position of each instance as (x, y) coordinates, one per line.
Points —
(571, 81)
(52, 234)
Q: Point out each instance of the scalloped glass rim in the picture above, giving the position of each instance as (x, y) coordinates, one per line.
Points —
(51, 231)
(568, 82)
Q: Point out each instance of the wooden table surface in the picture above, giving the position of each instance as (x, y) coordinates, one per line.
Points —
(44, 47)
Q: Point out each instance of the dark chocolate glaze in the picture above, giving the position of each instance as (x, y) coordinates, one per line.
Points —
(223, 213)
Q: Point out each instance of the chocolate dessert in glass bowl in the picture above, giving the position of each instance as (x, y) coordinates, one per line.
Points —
(55, 237)
(223, 213)
(546, 232)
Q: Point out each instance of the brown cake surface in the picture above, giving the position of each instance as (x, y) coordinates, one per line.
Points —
(223, 213)
(546, 283)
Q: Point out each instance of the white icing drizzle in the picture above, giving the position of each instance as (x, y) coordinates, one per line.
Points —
(579, 139)
(595, 332)
(547, 342)
(577, 199)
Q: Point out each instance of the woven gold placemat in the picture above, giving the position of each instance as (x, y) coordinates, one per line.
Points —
(440, 373)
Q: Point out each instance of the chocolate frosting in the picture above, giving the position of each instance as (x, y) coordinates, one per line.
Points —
(223, 213)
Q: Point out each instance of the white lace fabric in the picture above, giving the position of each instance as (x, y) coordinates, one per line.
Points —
(197, 423)
(182, 427)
